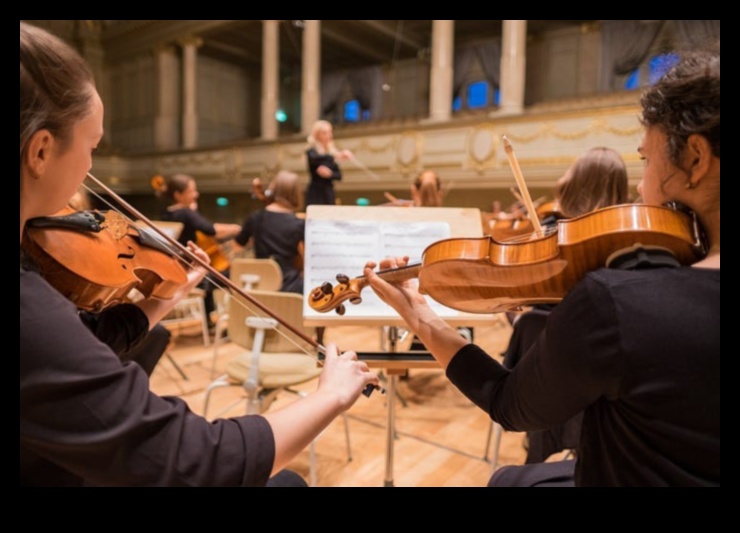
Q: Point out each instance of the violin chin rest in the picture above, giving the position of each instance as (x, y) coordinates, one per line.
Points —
(639, 256)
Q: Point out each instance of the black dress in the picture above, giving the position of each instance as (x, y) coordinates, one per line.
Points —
(277, 236)
(321, 190)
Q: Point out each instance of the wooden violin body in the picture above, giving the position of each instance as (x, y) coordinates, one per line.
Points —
(482, 275)
(96, 258)
(215, 250)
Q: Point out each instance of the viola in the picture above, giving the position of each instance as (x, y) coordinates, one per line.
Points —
(215, 250)
(258, 191)
(483, 275)
(151, 282)
(96, 258)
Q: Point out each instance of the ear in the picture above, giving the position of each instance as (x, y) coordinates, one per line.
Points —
(39, 151)
(699, 158)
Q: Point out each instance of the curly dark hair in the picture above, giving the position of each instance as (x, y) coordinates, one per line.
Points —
(686, 101)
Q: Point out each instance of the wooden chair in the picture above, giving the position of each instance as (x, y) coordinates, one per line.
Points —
(274, 359)
(249, 274)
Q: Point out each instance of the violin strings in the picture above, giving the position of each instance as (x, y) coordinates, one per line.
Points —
(210, 278)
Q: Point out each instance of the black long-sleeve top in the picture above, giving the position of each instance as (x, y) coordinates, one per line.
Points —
(192, 221)
(88, 419)
(639, 353)
(321, 190)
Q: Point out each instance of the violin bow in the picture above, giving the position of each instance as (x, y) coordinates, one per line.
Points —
(531, 211)
(364, 167)
(226, 282)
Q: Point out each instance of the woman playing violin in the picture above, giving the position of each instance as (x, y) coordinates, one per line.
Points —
(638, 351)
(181, 193)
(86, 418)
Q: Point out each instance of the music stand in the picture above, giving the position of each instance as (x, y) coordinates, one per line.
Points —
(341, 239)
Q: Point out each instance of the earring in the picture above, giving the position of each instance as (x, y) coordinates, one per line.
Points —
(690, 184)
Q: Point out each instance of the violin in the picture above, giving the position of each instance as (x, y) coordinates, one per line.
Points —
(134, 259)
(258, 191)
(483, 275)
(219, 258)
(96, 258)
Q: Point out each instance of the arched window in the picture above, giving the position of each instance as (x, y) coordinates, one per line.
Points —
(476, 95)
(651, 71)
(354, 113)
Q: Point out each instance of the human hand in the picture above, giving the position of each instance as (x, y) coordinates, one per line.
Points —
(344, 376)
(404, 296)
(324, 171)
(345, 155)
(198, 271)
(199, 252)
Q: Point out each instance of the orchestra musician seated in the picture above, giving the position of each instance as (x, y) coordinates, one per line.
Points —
(637, 351)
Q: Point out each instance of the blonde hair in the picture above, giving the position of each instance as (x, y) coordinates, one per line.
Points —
(284, 189)
(321, 125)
(427, 189)
(597, 179)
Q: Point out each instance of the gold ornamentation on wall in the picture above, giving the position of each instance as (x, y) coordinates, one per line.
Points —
(482, 148)
(596, 126)
(409, 147)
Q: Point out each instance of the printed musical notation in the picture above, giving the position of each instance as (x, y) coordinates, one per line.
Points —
(343, 247)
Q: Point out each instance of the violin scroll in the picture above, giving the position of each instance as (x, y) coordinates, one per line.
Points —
(326, 297)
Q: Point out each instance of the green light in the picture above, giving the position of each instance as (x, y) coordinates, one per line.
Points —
(281, 116)
(222, 202)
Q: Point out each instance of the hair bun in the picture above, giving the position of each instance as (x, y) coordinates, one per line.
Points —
(159, 184)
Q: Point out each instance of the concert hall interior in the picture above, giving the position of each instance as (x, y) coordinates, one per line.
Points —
(501, 111)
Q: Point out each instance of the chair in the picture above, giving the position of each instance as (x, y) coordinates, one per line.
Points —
(269, 277)
(275, 359)
(191, 309)
(249, 274)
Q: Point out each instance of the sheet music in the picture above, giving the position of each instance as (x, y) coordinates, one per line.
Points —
(343, 247)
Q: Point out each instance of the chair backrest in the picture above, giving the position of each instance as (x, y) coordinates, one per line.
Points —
(171, 229)
(287, 305)
(268, 271)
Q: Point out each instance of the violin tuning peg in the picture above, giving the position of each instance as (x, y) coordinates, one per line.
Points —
(340, 310)
(343, 279)
(326, 288)
(356, 300)
(317, 294)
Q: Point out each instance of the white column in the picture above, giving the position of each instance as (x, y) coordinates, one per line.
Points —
(441, 75)
(189, 94)
(270, 78)
(513, 66)
(166, 133)
(88, 34)
(311, 74)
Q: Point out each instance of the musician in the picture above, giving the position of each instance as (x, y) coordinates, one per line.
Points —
(637, 350)
(277, 232)
(146, 352)
(86, 419)
(426, 190)
(180, 191)
(597, 179)
(322, 157)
